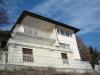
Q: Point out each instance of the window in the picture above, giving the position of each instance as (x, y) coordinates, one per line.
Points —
(64, 58)
(70, 34)
(35, 33)
(58, 31)
(64, 33)
(62, 45)
(28, 30)
(27, 55)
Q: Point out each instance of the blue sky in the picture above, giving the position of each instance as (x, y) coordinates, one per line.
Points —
(83, 14)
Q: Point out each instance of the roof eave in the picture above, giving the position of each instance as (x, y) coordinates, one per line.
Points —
(24, 13)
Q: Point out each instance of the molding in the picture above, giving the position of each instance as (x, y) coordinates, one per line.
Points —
(41, 47)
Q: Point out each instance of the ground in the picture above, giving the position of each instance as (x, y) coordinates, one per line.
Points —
(42, 72)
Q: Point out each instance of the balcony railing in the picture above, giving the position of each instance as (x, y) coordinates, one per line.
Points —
(27, 58)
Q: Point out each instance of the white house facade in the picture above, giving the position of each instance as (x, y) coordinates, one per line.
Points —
(41, 42)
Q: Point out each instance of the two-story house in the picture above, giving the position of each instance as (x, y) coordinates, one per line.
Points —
(41, 42)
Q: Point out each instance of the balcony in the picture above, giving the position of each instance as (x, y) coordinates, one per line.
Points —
(39, 37)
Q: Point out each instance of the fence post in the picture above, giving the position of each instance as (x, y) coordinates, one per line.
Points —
(6, 61)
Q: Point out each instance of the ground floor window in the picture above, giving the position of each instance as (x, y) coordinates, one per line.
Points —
(64, 58)
(27, 55)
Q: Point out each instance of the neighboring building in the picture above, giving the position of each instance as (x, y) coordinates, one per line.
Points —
(41, 42)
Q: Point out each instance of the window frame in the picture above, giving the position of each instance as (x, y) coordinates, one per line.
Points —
(64, 33)
(30, 31)
(64, 58)
(27, 55)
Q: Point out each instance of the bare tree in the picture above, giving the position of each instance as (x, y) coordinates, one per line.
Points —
(83, 49)
(3, 13)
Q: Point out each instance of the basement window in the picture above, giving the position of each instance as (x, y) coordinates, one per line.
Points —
(27, 55)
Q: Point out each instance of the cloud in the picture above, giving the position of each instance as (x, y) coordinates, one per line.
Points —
(84, 14)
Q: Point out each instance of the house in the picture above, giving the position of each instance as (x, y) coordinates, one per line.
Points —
(41, 42)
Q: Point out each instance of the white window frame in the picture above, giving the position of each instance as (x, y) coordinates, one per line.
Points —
(31, 31)
(69, 33)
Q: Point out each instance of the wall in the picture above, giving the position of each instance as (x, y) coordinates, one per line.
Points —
(44, 56)
(71, 41)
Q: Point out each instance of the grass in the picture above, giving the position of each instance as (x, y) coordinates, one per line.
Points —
(49, 71)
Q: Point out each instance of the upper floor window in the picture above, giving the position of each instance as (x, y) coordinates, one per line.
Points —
(29, 30)
(64, 33)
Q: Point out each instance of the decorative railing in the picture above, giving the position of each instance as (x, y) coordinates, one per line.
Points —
(27, 58)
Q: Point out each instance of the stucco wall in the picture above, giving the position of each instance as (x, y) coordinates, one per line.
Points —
(71, 41)
(43, 56)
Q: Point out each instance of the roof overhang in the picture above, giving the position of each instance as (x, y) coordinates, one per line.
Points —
(26, 13)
